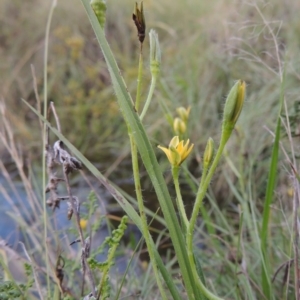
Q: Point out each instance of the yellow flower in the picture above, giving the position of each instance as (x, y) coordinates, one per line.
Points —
(75, 42)
(83, 223)
(76, 45)
(178, 151)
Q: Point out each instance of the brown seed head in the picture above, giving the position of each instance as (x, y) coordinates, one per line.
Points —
(139, 21)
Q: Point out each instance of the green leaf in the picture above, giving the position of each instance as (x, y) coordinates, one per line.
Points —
(272, 178)
(148, 156)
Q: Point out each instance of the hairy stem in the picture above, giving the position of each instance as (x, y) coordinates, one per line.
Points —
(199, 199)
(146, 234)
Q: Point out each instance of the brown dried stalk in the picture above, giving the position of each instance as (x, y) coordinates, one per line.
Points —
(58, 155)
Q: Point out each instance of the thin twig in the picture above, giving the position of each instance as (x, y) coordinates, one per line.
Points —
(37, 97)
(289, 263)
(75, 207)
(55, 116)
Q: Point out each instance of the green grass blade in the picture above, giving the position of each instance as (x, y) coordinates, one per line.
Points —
(147, 155)
(272, 178)
(127, 268)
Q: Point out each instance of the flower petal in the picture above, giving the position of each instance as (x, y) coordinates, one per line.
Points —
(187, 152)
(176, 157)
(174, 142)
(167, 152)
(180, 147)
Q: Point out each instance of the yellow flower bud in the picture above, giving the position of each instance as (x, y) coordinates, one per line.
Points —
(232, 110)
(179, 126)
(234, 102)
(183, 113)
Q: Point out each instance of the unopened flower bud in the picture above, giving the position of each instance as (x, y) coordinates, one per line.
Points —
(183, 113)
(233, 107)
(234, 102)
(179, 126)
(208, 153)
(155, 54)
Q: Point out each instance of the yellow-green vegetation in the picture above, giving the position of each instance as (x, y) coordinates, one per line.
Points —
(217, 215)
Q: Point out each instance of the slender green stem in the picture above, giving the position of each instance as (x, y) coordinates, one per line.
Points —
(199, 199)
(146, 234)
(203, 188)
(202, 287)
(47, 33)
(180, 206)
(271, 184)
(139, 82)
(137, 183)
(204, 173)
(202, 207)
(150, 94)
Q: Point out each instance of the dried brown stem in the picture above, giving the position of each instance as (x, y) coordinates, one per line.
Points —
(55, 116)
(57, 154)
(75, 207)
(38, 101)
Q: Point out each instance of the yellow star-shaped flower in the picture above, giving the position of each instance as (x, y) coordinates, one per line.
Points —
(178, 151)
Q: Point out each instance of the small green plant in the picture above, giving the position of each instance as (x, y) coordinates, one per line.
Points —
(177, 153)
(9, 290)
(112, 242)
(12, 290)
